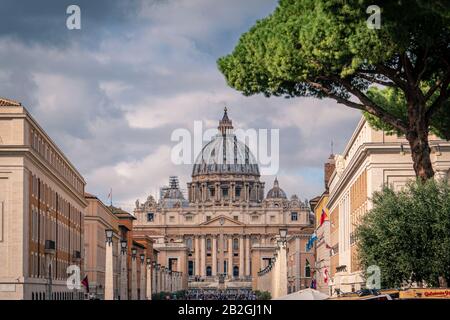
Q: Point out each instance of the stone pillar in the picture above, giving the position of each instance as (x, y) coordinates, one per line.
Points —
(233, 191)
(282, 270)
(217, 192)
(149, 287)
(123, 276)
(197, 256)
(248, 258)
(221, 253)
(214, 255)
(143, 284)
(230, 256)
(134, 295)
(109, 273)
(241, 256)
(153, 278)
(203, 257)
(163, 280)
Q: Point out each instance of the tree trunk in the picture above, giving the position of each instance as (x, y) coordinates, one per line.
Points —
(417, 137)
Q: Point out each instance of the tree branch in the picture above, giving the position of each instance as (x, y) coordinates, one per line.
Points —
(374, 109)
(372, 79)
(439, 102)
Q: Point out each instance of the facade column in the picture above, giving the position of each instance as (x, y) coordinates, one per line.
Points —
(217, 192)
(232, 191)
(214, 255)
(230, 256)
(153, 278)
(247, 256)
(221, 253)
(109, 274)
(133, 279)
(163, 279)
(123, 275)
(149, 282)
(241, 256)
(203, 256)
(197, 256)
(143, 285)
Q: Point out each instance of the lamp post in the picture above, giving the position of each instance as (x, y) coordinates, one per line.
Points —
(281, 264)
(109, 264)
(124, 270)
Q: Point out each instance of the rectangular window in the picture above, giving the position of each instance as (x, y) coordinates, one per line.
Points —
(294, 216)
(188, 218)
(236, 218)
(208, 218)
(172, 219)
(150, 217)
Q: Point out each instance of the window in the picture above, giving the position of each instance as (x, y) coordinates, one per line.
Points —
(236, 218)
(208, 271)
(212, 192)
(238, 192)
(150, 217)
(272, 218)
(235, 271)
(172, 219)
(208, 244)
(307, 270)
(208, 218)
(191, 268)
(189, 218)
(189, 243)
(255, 218)
(225, 192)
(235, 244)
(294, 216)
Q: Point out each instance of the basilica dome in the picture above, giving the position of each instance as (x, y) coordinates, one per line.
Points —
(225, 154)
(276, 192)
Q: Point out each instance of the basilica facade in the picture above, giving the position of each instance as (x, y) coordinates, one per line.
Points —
(225, 230)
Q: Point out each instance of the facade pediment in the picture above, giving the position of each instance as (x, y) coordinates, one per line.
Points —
(222, 221)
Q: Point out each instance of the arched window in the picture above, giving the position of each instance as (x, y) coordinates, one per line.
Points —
(307, 270)
(235, 271)
(208, 271)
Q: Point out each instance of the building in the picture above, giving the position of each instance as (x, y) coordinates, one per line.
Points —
(41, 212)
(224, 233)
(98, 219)
(300, 261)
(322, 229)
(371, 160)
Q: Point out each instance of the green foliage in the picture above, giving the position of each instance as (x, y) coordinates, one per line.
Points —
(393, 101)
(307, 41)
(407, 234)
(263, 295)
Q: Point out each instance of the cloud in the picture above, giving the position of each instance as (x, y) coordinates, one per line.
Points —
(111, 94)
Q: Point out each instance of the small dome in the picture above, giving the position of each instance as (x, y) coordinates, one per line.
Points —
(276, 192)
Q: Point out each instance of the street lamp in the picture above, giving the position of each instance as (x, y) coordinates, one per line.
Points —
(109, 235)
(149, 261)
(133, 253)
(283, 236)
(123, 246)
(142, 258)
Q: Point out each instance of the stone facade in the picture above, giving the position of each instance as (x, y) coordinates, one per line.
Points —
(41, 211)
(371, 160)
(226, 227)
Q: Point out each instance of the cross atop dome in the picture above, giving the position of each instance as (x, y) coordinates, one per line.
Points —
(225, 125)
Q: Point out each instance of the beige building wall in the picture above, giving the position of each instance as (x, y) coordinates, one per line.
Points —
(371, 159)
(41, 211)
(98, 219)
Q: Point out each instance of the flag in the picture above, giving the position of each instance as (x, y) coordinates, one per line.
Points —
(110, 194)
(85, 283)
(325, 275)
(311, 241)
(323, 216)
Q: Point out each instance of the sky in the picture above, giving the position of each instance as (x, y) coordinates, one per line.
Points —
(111, 94)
